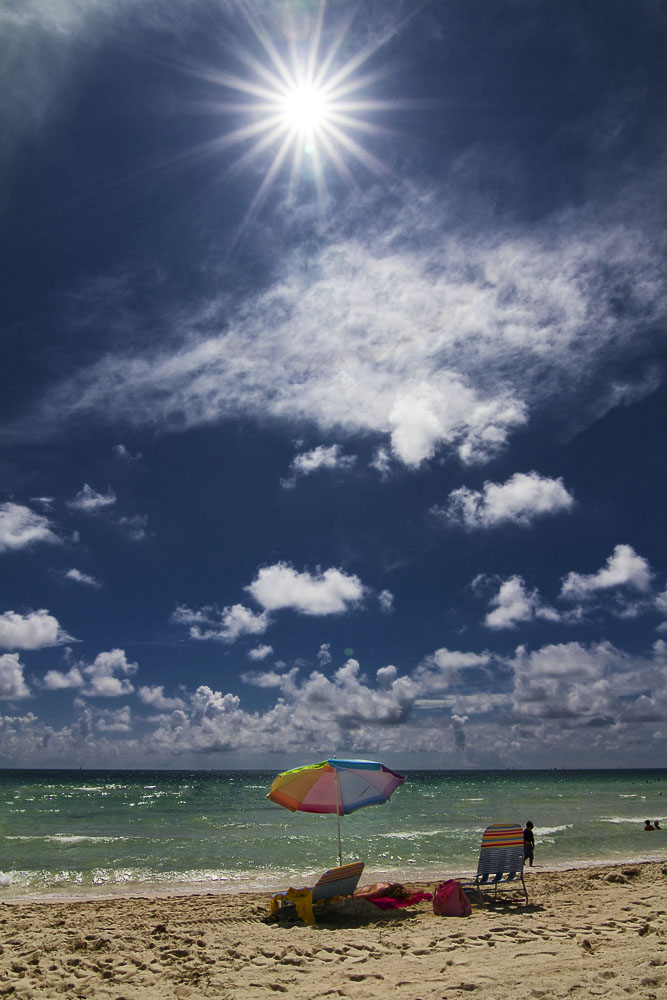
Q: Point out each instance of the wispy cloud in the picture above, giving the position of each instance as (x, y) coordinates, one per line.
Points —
(386, 601)
(324, 654)
(78, 577)
(134, 527)
(439, 341)
(43, 45)
(125, 455)
(89, 501)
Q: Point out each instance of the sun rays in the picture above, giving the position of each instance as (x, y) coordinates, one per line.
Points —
(304, 115)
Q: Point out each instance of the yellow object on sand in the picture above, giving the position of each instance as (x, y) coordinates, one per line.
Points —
(302, 899)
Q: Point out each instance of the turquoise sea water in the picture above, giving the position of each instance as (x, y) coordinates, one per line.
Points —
(95, 833)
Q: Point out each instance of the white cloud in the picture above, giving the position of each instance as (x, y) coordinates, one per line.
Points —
(520, 500)
(386, 601)
(441, 670)
(45, 502)
(121, 452)
(624, 568)
(78, 577)
(114, 720)
(57, 680)
(12, 684)
(514, 604)
(484, 707)
(381, 462)
(102, 674)
(260, 652)
(106, 677)
(661, 605)
(323, 593)
(322, 457)
(21, 527)
(88, 500)
(318, 709)
(447, 411)
(226, 625)
(35, 630)
(567, 680)
(324, 654)
(269, 678)
(154, 696)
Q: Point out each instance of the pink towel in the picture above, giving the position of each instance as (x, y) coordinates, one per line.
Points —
(388, 903)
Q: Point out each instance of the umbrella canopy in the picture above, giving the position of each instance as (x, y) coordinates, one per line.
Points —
(335, 786)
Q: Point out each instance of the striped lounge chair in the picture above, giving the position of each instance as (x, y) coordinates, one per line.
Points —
(335, 882)
(500, 859)
(338, 882)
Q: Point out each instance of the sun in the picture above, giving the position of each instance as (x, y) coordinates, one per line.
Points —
(306, 108)
(303, 110)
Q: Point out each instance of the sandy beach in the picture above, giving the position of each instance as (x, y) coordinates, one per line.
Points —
(585, 932)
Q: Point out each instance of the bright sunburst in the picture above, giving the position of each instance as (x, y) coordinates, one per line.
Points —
(306, 108)
(302, 110)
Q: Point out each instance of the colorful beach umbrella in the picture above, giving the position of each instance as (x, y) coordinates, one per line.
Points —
(335, 786)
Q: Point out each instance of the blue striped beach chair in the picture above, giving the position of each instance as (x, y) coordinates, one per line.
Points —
(501, 859)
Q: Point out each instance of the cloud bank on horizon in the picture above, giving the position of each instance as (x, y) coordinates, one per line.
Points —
(330, 398)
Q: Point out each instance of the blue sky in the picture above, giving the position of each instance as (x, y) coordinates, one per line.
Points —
(333, 396)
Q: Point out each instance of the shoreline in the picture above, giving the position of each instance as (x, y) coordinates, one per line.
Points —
(598, 931)
(244, 887)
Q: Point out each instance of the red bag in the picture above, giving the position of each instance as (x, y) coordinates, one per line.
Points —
(449, 900)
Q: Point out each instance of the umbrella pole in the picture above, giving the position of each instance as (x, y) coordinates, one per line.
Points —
(339, 799)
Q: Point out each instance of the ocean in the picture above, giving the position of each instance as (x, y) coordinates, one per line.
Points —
(85, 833)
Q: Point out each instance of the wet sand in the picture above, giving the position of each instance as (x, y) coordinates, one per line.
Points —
(584, 933)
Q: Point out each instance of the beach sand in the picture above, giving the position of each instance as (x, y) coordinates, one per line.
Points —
(584, 933)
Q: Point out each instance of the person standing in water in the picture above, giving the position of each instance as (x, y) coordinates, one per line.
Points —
(528, 843)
